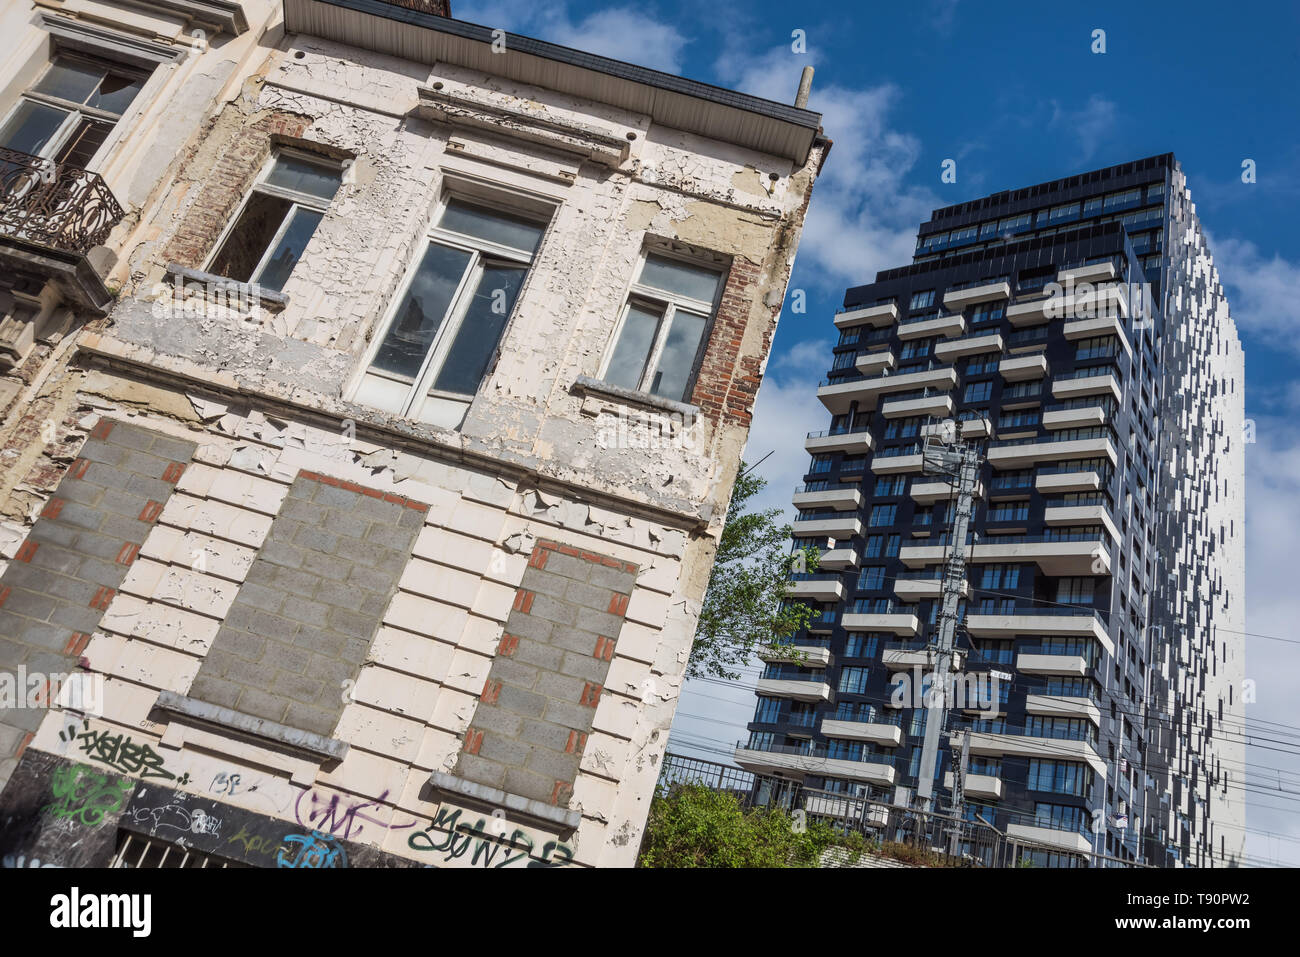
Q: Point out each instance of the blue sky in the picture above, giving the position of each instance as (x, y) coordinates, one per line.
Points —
(1014, 94)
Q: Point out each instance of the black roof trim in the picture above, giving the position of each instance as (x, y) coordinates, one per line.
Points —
(1161, 161)
(589, 61)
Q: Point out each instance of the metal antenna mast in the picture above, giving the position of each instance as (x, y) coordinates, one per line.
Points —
(947, 454)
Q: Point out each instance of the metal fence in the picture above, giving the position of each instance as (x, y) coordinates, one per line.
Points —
(930, 839)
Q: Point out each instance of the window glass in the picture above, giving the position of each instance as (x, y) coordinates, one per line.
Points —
(678, 359)
(300, 175)
(31, 127)
(422, 310)
(302, 224)
(491, 225)
(480, 331)
(633, 349)
(683, 279)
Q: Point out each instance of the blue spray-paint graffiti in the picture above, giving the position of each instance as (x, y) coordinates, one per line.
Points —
(316, 850)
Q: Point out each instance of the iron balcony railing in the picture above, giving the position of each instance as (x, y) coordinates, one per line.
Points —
(54, 204)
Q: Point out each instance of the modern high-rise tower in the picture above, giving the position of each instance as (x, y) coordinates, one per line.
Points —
(1078, 333)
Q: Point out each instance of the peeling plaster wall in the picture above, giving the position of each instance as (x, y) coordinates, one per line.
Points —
(264, 393)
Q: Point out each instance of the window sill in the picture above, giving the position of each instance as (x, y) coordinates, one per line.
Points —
(295, 739)
(268, 297)
(565, 819)
(590, 386)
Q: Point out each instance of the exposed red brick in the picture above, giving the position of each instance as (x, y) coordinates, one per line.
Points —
(103, 597)
(151, 511)
(561, 793)
(618, 604)
(491, 691)
(78, 468)
(363, 490)
(174, 472)
(128, 554)
(76, 644)
(577, 741)
(102, 428)
(473, 740)
(538, 558)
(524, 601)
(5, 590)
(508, 645)
(604, 648)
(26, 551)
(53, 507)
(591, 694)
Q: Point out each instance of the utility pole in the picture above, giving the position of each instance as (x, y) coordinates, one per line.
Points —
(960, 761)
(947, 455)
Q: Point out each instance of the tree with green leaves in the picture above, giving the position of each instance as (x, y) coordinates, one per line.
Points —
(696, 826)
(747, 606)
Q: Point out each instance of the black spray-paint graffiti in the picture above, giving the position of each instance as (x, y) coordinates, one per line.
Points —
(331, 816)
(120, 753)
(487, 848)
(315, 850)
(81, 794)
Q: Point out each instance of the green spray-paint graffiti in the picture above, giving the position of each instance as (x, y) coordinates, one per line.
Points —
(82, 794)
(489, 850)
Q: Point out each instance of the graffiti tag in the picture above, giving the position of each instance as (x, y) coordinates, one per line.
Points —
(120, 752)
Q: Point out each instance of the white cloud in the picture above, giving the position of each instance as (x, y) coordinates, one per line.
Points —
(863, 216)
(1263, 291)
(1089, 125)
(1272, 608)
(625, 33)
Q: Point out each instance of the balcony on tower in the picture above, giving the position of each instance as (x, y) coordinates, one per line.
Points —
(880, 614)
(816, 587)
(837, 394)
(1093, 380)
(1057, 552)
(1063, 444)
(789, 681)
(854, 761)
(878, 314)
(855, 441)
(959, 297)
(1041, 620)
(826, 495)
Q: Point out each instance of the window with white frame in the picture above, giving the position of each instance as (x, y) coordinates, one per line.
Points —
(277, 219)
(664, 326)
(68, 113)
(443, 336)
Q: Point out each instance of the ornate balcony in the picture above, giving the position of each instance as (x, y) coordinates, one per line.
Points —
(51, 216)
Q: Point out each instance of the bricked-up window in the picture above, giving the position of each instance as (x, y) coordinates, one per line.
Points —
(662, 331)
(277, 219)
(444, 333)
(69, 112)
